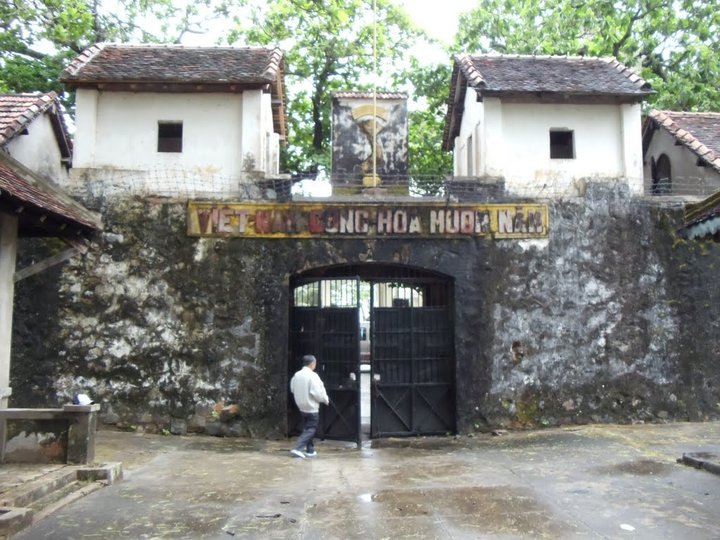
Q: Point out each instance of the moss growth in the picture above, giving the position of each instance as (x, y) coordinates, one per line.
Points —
(526, 411)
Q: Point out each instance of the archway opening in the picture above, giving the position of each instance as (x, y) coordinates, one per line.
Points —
(662, 179)
(385, 341)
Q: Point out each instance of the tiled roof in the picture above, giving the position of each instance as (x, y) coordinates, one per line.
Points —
(558, 78)
(369, 95)
(113, 63)
(577, 75)
(42, 208)
(17, 111)
(699, 132)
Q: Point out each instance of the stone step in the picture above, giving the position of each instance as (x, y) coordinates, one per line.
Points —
(23, 505)
(62, 497)
(26, 494)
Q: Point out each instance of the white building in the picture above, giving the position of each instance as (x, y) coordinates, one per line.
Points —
(682, 153)
(545, 125)
(176, 120)
(33, 131)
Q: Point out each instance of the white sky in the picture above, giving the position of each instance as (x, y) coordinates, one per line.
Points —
(438, 18)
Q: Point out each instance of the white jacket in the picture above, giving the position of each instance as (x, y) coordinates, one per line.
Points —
(308, 390)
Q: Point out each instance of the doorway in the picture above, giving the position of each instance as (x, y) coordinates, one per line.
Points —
(384, 338)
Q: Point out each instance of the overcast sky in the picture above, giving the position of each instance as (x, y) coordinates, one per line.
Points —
(437, 18)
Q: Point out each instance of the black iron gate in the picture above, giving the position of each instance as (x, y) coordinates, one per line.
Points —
(413, 375)
(324, 322)
(412, 361)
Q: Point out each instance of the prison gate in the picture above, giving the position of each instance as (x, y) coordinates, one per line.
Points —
(410, 361)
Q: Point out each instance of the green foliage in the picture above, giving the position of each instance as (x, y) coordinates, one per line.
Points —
(429, 164)
(328, 47)
(39, 37)
(673, 42)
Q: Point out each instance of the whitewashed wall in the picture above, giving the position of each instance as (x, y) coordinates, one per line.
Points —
(39, 150)
(512, 141)
(688, 179)
(227, 139)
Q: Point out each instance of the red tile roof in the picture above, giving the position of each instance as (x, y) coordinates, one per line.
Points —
(564, 79)
(574, 75)
(43, 209)
(109, 63)
(698, 131)
(17, 111)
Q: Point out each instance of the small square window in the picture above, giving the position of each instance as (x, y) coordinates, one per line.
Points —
(562, 144)
(170, 136)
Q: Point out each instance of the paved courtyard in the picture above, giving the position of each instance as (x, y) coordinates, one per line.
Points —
(577, 482)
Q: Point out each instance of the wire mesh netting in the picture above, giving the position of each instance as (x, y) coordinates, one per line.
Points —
(193, 184)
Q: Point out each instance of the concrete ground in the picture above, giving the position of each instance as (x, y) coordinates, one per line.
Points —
(602, 481)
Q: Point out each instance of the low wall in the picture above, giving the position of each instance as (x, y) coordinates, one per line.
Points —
(64, 435)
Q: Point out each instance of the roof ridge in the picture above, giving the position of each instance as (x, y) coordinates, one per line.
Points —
(473, 76)
(686, 138)
(83, 58)
(541, 56)
(629, 73)
(183, 46)
(274, 63)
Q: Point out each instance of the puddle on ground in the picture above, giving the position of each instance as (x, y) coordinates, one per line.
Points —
(225, 445)
(429, 471)
(643, 467)
(482, 510)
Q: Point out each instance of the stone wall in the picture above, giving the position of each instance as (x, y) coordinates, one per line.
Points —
(612, 319)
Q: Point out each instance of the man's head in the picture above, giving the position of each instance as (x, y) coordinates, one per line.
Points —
(309, 361)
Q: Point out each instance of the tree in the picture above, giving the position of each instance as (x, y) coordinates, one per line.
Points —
(429, 85)
(39, 37)
(328, 47)
(673, 42)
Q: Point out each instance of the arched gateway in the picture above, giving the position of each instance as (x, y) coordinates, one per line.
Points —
(383, 335)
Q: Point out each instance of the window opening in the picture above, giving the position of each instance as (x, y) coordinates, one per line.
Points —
(662, 179)
(562, 144)
(170, 135)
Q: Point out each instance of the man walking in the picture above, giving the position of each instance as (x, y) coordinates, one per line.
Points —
(309, 392)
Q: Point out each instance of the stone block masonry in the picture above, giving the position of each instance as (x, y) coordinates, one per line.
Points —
(612, 318)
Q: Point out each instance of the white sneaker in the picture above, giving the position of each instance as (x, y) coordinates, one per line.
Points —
(311, 454)
(297, 453)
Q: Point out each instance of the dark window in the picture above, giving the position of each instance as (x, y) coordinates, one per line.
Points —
(170, 136)
(562, 144)
(662, 176)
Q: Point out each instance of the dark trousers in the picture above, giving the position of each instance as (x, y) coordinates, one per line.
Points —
(305, 440)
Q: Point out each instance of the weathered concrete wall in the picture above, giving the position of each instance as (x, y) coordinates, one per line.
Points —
(611, 319)
(595, 326)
